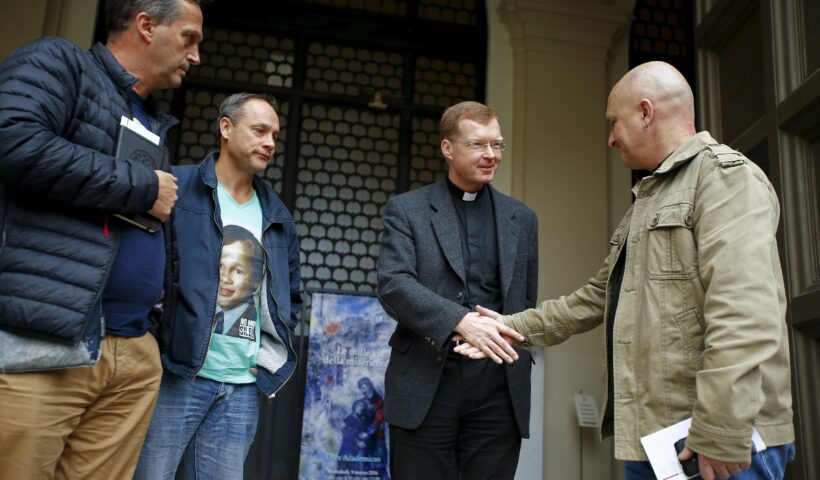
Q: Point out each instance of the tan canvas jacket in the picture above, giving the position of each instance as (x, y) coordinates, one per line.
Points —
(700, 324)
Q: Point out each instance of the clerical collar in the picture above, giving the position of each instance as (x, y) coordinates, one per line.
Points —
(461, 194)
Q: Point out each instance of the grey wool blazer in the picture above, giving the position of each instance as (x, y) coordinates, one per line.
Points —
(421, 284)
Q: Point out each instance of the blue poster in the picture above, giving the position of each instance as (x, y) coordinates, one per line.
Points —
(344, 435)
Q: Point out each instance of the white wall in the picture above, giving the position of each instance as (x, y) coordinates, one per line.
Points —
(29, 20)
(499, 89)
(22, 24)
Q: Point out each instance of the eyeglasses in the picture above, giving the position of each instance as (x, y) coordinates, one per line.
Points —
(479, 146)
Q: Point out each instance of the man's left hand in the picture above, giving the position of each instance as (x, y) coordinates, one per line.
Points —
(710, 469)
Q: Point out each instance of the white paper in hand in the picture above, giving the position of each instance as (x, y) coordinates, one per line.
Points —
(660, 448)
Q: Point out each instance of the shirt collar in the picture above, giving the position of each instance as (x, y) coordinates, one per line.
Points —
(459, 194)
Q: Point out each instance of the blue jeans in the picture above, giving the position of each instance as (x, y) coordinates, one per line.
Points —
(770, 464)
(211, 423)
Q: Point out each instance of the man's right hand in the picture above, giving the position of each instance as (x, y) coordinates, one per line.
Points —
(475, 353)
(166, 196)
(487, 335)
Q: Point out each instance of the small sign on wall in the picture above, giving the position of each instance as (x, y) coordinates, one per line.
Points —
(586, 408)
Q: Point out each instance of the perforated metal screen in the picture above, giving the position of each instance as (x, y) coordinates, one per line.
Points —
(347, 167)
(663, 30)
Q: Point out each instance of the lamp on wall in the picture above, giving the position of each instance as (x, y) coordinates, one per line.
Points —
(376, 102)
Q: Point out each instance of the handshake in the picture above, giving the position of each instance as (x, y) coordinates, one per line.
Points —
(485, 335)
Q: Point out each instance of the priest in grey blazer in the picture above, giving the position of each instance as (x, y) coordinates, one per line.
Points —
(448, 247)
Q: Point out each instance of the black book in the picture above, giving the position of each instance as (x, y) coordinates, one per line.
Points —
(136, 148)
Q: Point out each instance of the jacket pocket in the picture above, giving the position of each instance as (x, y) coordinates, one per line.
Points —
(691, 326)
(682, 357)
(671, 249)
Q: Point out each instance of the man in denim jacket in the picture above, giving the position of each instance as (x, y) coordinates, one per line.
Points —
(228, 336)
(691, 293)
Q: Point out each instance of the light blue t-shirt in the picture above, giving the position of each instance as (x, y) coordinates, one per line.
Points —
(235, 339)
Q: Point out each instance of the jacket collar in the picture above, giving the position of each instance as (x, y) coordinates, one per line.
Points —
(445, 227)
(272, 207)
(124, 82)
(121, 78)
(686, 152)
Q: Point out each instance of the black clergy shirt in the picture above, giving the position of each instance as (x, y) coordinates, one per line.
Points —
(479, 244)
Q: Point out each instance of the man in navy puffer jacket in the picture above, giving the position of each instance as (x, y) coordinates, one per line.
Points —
(77, 285)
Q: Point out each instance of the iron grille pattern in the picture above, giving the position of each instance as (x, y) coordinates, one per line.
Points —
(462, 12)
(246, 58)
(390, 7)
(426, 163)
(347, 70)
(441, 83)
(347, 168)
(662, 28)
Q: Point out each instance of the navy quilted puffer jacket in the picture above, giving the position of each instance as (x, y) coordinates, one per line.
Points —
(60, 108)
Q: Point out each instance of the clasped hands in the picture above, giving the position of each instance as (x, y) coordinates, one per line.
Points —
(485, 335)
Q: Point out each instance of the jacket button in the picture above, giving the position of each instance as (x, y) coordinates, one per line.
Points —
(689, 220)
(654, 221)
(460, 295)
(439, 360)
(617, 238)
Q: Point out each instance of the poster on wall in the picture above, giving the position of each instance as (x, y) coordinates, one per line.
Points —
(344, 435)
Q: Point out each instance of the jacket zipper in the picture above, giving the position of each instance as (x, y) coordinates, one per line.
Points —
(104, 283)
(289, 343)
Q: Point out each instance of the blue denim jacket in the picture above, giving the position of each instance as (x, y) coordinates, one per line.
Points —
(186, 330)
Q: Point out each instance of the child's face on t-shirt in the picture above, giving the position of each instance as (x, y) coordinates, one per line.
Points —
(234, 276)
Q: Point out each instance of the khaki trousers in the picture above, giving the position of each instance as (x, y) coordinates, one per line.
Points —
(80, 423)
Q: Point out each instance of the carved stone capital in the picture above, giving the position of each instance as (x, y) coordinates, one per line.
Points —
(576, 28)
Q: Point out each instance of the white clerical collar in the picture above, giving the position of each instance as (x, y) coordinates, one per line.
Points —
(458, 193)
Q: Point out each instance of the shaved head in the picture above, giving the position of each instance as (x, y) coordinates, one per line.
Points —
(662, 84)
(652, 112)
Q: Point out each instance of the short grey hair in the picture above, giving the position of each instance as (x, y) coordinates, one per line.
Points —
(120, 13)
(231, 107)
